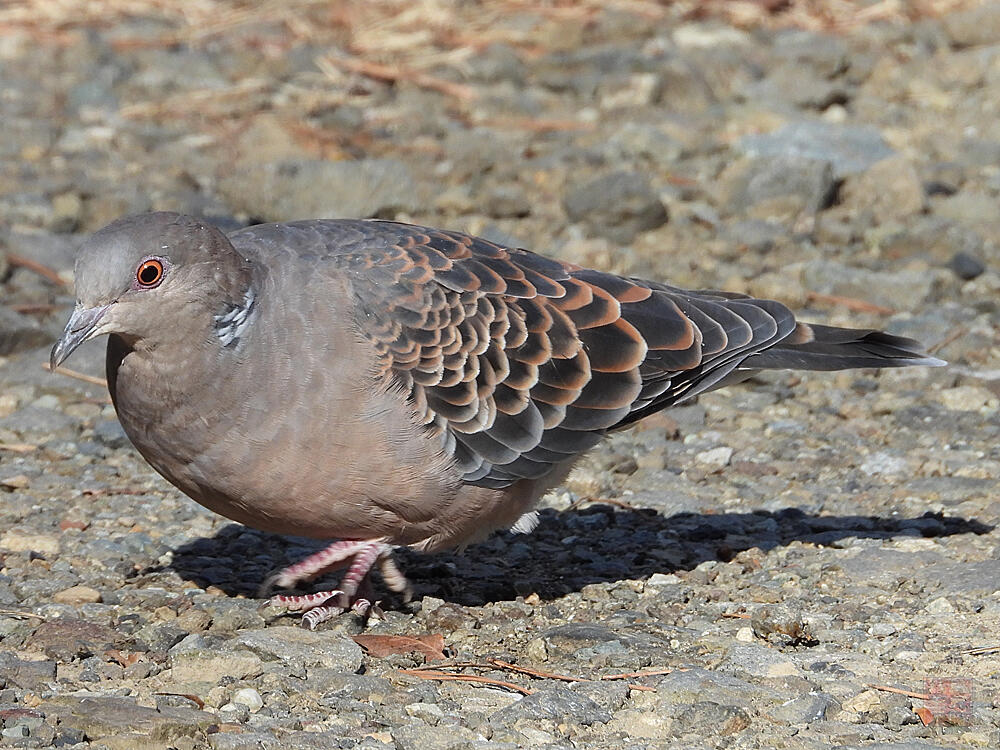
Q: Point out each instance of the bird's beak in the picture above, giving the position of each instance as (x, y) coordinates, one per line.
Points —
(83, 324)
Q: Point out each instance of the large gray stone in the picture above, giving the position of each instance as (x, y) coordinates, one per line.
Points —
(618, 206)
(315, 189)
(848, 148)
(306, 647)
(560, 704)
(975, 26)
(707, 718)
(788, 184)
(19, 333)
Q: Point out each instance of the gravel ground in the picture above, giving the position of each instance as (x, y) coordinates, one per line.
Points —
(767, 559)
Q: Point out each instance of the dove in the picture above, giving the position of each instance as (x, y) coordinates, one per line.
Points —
(376, 384)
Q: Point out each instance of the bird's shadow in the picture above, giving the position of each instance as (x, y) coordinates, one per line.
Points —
(595, 544)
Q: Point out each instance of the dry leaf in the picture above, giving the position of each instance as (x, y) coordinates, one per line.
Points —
(926, 717)
(124, 658)
(430, 645)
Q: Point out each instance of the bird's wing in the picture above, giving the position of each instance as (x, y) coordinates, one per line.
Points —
(520, 362)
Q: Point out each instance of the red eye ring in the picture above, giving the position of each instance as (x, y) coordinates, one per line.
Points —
(149, 273)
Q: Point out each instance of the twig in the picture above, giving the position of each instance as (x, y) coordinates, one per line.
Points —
(569, 678)
(392, 74)
(536, 672)
(38, 307)
(533, 124)
(18, 613)
(980, 650)
(112, 491)
(541, 674)
(645, 673)
(428, 674)
(452, 665)
(851, 303)
(33, 265)
(92, 379)
(957, 333)
(18, 447)
(900, 691)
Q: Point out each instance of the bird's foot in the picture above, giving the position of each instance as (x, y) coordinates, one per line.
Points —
(354, 591)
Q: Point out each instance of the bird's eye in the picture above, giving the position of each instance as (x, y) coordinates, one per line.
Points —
(149, 273)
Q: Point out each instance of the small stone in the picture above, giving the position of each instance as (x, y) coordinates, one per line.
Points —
(890, 189)
(966, 266)
(16, 482)
(848, 149)
(293, 188)
(975, 26)
(211, 665)
(422, 737)
(67, 211)
(806, 709)
(757, 659)
(776, 187)
(428, 712)
(882, 629)
(110, 433)
(556, 703)
(507, 201)
(250, 698)
(708, 718)
(618, 206)
(536, 651)
(77, 595)
(663, 579)
(234, 712)
(745, 635)
(309, 648)
(69, 638)
(884, 464)
(961, 398)
(20, 333)
(715, 458)
(27, 675)
(940, 606)
(865, 701)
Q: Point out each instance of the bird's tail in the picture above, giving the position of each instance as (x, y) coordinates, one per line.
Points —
(818, 347)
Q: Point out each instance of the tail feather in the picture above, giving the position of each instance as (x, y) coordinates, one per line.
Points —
(818, 347)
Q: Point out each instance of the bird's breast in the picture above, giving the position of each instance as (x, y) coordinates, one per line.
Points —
(299, 440)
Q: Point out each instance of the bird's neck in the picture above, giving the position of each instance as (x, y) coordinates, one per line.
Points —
(234, 318)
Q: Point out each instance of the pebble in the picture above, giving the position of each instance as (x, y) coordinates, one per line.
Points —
(618, 206)
(556, 703)
(849, 149)
(77, 595)
(250, 698)
(966, 266)
(715, 458)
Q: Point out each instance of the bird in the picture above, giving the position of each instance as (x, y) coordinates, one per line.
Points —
(376, 384)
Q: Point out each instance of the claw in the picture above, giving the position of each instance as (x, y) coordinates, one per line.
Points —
(303, 602)
(355, 591)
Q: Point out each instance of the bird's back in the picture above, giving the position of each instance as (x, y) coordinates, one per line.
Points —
(517, 363)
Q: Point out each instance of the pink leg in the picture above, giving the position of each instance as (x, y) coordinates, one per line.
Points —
(323, 605)
(329, 558)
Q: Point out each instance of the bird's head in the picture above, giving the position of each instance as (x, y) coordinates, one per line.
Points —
(141, 276)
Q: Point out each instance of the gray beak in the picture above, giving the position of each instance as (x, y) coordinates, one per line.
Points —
(82, 325)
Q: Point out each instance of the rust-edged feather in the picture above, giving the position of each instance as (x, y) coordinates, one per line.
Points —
(520, 362)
